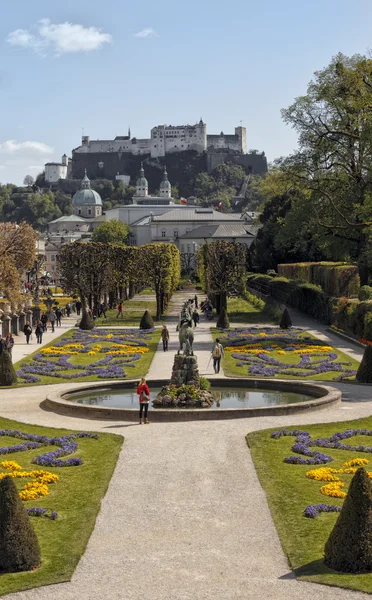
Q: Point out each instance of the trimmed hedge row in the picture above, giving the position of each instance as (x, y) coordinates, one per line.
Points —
(335, 279)
(352, 316)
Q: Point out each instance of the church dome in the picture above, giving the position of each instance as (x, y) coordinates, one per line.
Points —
(86, 196)
(142, 181)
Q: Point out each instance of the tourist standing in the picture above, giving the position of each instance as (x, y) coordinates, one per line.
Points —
(39, 330)
(195, 317)
(144, 399)
(52, 319)
(44, 321)
(27, 330)
(9, 343)
(58, 316)
(78, 307)
(165, 338)
(68, 309)
(120, 311)
(217, 353)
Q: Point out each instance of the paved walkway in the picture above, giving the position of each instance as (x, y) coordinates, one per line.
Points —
(21, 349)
(184, 517)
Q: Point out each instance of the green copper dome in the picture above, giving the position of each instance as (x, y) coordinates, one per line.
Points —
(86, 196)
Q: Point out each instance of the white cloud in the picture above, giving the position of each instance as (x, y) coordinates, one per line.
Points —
(62, 38)
(147, 32)
(28, 147)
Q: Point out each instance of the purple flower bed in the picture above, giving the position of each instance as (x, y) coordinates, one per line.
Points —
(66, 445)
(110, 367)
(313, 510)
(37, 511)
(304, 442)
(264, 365)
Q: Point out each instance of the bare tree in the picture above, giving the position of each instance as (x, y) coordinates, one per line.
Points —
(28, 180)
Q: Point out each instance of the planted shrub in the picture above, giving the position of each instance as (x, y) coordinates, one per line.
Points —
(146, 321)
(86, 322)
(8, 375)
(364, 373)
(349, 546)
(19, 546)
(365, 293)
(223, 320)
(286, 321)
(204, 383)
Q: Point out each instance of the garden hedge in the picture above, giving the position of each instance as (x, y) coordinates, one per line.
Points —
(335, 278)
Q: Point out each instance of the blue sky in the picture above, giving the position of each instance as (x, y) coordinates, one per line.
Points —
(103, 66)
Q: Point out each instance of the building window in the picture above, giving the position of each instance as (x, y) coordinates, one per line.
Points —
(188, 248)
(182, 248)
(52, 258)
(89, 212)
(175, 233)
(79, 211)
(163, 233)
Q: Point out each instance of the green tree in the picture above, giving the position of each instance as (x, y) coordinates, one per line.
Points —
(334, 161)
(111, 232)
(160, 266)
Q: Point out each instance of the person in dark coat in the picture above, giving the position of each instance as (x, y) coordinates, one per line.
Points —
(39, 330)
(27, 330)
(195, 317)
(196, 301)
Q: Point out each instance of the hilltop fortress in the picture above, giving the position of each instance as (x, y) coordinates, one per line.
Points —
(118, 158)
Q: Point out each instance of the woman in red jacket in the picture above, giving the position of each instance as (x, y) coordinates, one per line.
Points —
(144, 399)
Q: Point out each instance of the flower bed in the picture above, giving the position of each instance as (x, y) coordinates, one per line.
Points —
(87, 355)
(272, 352)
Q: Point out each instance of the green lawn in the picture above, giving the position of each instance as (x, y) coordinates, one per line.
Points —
(288, 493)
(76, 497)
(132, 313)
(231, 369)
(140, 368)
(241, 310)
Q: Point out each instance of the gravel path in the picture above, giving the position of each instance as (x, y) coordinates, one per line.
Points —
(184, 517)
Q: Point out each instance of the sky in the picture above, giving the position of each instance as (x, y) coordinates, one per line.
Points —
(98, 67)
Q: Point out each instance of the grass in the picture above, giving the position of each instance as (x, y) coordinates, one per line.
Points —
(288, 493)
(231, 369)
(241, 310)
(141, 367)
(132, 313)
(76, 497)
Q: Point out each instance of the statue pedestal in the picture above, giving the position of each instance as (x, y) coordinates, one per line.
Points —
(185, 371)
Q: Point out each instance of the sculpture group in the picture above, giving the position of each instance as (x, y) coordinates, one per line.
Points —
(185, 330)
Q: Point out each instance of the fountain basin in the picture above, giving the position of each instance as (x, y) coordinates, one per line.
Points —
(318, 396)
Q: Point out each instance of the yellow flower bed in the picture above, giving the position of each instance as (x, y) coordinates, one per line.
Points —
(333, 489)
(34, 489)
(323, 474)
(356, 462)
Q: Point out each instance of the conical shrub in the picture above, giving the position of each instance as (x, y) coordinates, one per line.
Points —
(349, 547)
(146, 321)
(223, 320)
(285, 321)
(86, 322)
(8, 376)
(364, 373)
(19, 546)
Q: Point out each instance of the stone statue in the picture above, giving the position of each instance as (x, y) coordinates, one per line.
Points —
(186, 337)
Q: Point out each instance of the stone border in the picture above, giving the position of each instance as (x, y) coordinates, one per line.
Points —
(325, 396)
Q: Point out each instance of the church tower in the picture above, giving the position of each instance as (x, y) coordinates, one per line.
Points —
(165, 186)
(142, 186)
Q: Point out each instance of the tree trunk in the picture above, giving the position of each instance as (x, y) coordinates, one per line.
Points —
(222, 302)
(158, 304)
(132, 290)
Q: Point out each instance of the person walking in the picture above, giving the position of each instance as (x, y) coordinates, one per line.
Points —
(144, 399)
(195, 317)
(217, 353)
(39, 330)
(44, 321)
(102, 309)
(68, 309)
(120, 311)
(78, 307)
(52, 319)
(27, 330)
(196, 301)
(9, 343)
(58, 314)
(165, 338)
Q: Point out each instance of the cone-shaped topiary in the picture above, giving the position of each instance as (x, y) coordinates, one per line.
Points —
(19, 546)
(285, 321)
(86, 322)
(8, 375)
(223, 320)
(364, 373)
(146, 321)
(349, 547)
